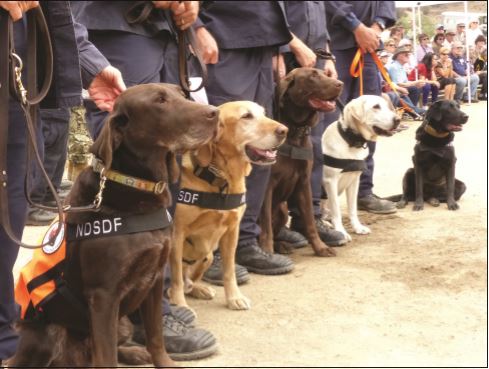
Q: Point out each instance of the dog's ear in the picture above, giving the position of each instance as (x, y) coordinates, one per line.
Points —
(284, 85)
(355, 113)
(389, 102)
(172, 167)
(434, 113)
(109, 138)
(204, 154)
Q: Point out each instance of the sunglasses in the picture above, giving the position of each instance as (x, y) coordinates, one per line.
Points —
(444, 54)
(424, 39)
(392, 45)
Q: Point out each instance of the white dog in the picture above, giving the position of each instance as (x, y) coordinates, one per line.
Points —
(344, 145)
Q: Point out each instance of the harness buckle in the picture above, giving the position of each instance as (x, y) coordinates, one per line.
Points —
(159, 187)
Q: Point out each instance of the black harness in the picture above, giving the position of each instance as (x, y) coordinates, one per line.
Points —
(105, 226)
(352, 138)
(348, 165)
(295, 152)
(211, 200)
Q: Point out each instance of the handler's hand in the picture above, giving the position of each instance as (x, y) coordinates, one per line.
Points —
(304, 55)
(278, 64)
(185, 13)
(17, 8)
(367, 38)
(105, 88)
(207, 45)
(330, 69)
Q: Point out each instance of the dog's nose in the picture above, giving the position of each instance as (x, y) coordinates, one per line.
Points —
(339, 84)
(213, 113)
(281, 131)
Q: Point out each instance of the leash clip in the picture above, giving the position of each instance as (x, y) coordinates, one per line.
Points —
(18, 78)
(98, 198)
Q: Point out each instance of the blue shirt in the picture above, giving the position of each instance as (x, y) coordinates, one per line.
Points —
(397, 72)
(459, 65)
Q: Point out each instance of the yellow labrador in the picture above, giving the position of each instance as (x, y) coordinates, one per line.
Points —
(211, 201)
(344, 149)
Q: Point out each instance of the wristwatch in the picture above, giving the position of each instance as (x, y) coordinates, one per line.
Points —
(380, 23)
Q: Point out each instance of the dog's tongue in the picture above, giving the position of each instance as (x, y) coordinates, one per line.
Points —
(454, 127)
(269, 154)
(323, 105)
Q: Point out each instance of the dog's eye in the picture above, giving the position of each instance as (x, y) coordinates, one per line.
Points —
(247, 116)
(376, 106)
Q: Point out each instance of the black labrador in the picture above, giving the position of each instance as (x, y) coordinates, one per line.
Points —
(433, 177)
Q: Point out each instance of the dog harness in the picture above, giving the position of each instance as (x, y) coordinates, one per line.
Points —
(211, 200)
(42, 291)
(352, 138)
(295, 152)
(348, 165)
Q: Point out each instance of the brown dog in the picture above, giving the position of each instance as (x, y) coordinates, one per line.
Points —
(118, 273)
(302, 93)
(215, 174)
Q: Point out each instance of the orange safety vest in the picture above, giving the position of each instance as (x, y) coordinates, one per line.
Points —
(36, 282)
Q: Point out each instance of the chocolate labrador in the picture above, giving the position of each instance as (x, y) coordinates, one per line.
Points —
(302, 94)
(433, 177)
(119, 272)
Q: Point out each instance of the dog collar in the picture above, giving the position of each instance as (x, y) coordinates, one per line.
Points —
(211, 200)
(433, 132)
(295, 152)
(352, 138)
(211, 174)
(140, 184)
(348, 165)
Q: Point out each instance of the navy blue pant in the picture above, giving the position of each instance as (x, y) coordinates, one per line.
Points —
(55, 127)
(140, 60)
(245, 74)
(351, 90)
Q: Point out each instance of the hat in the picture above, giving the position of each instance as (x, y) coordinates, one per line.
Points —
(450, 32)
(384, 53)
(400, 50)
(440, 26)
(474, 19)
(405, 41)
(460, 24)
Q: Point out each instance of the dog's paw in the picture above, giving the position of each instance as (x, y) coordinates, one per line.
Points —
(418, 206)
(325, 252)
(434, 202)
(401, 204)
(202, 292)
(452, 205)
(133, 355)
(361, 229)
(346, 234)
(239, 303)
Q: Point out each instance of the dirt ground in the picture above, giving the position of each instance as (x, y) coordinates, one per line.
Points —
(412, 293)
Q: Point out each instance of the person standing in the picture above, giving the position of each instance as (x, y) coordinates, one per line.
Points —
(354, 25)
(460, 74)
(72, 52)
(239, 41)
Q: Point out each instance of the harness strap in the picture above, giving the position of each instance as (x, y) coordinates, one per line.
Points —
(295, 152)
(210, 174)
(348, 165)
(105, 226)
(352, 138)
(138, 183)
(211, 200)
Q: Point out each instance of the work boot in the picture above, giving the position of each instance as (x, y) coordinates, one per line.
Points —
(374, 204)
(182, 313)
(295, 239)
(253, 258)
(181, 341)
(329, 236)
(40, 217)
(213, 275)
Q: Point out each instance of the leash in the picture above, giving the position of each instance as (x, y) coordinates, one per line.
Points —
(142, 12)
(11, 66)
(356, 70)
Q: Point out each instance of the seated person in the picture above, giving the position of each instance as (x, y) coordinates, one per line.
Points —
(398, 75)
(424, 47)
(444, 74)
(460, 73)
(426, 73)
(478, 58)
